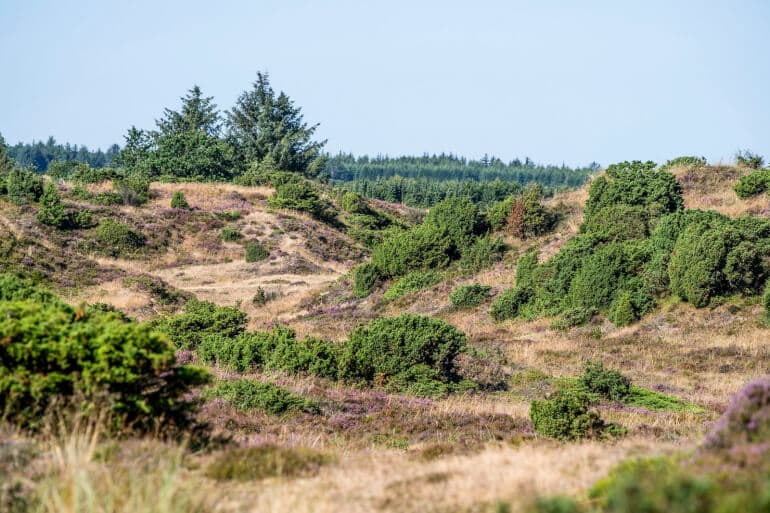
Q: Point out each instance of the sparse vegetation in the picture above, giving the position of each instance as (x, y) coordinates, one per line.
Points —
(256, 252)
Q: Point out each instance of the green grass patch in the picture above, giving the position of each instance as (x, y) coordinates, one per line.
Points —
(657, 401)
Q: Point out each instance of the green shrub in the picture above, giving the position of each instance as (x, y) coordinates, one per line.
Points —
(118, 238)
(199, 320)
(23, 186)
(133, 189)
(82, 219)
(618, 223)
(482, 254)
(529, 216)
(766, 301)
(685, 161)
(469, 296)
(608, 383)
(229, 215)
(525, 268)
(508, 304)
(459, 220)
(82, 172)
(57, 353)
(499, 212)
(276, 350)
(179, 201)
(422, 248)
(419, 380)
(265, 461)
(256, 252)
(231, 234)
(366, 276)
(412, 282)
(355, 204)
(51, 209)
(752, 184)
(389, 346)
(15, 288)
(748, 159)
(622, 310)
(246, 395)
(567, 416)
(303, 197)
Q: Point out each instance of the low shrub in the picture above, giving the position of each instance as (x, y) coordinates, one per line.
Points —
(23, 186)
(529, 217)
(256, 252)
(54, 353)
(366, 277)
(51, 209)
(752, 184)
(419, 249)
(82, 219)
(245, 394)
(16, 288)
(608, 383)
(265, 461)
(748, 159)
(301, 196)
(499, 212)
(507, 305)
(568, 416)
(133, 189)
(389, 346)
(118, 238)
(199, 320)
(482, 254)
(412, 282)
(746, 420)
(230, 234)
(179, 201)
(469, 296)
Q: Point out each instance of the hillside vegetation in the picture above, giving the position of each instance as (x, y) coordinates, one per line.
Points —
(210, 327)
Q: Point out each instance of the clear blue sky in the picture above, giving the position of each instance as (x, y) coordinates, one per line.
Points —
(553, 80)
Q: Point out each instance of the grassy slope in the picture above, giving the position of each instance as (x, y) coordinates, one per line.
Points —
(485, 449)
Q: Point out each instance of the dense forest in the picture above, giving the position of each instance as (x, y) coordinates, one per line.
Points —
(39, 154)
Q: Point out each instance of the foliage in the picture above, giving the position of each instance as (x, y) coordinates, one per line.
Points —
(301, 196)
(389, 346)
(199, 320)
(608, 383)
(133, 189)
(23, 186)
(481, 254)
(508, 304)
(57, 353)
(230, 234)
(256, 252)
(752, 184)
(179, 201)
(118, 238)
(51, 209)
(420, 248)
(16, 288)
(459, 220)
(529, 217)
(499, 212)
(657, 401)
(567, 416)
(355, 204)
(410, 283)
(366, 276)
(276, 350)
(469, 296)
(766, 300)
(264, 461)
(265, 125)
(685, 161)
(748, 159)
(41, 155)
(525, 268)
(245, 394)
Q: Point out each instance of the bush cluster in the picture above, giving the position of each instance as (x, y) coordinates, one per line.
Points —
(508, 304)
(51, 209)
(608, 383)
(469, 296)
(256, 252)
(178, 200)
(22, 186)
(132, 189)
(53, 352)
(568, 416)
(752, 184)
(229, 234)
(118, 239)
(302, 196)
(246, 395)
(199, 320)
(411, 283)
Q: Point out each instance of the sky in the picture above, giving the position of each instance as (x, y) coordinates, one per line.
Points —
(557, 81)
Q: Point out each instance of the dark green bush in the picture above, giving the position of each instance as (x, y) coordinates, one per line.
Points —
(355, 204)
(529, 216)
(526, 267)
(276, 350)
(256, 252)
(366, 276)
(231, 234)
(51, 209)
(567, 416)
(499, 212)
(618, 222)
(23, 186)
(245, 394)
(469, 296)
(459, 220)
(421, 248)
(57, 353)
(389, 346)
(118, 238)
(748, 159)
(265, 461)
(82, 219)
(482, 254)
(508, 304)
(82, 172)
(301, 196)
(412, 282)
(608, 383)
(752, 184)
(179, 201)
(199, 320)
(15, 288)
(133, 189)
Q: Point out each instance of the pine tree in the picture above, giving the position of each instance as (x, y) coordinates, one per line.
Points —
(51, 209)
(262, 124)
(5, 160)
